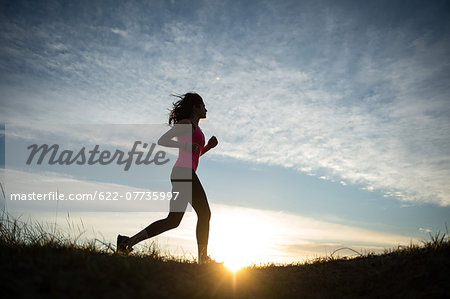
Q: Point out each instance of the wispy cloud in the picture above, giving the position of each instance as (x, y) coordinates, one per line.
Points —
(337, 93)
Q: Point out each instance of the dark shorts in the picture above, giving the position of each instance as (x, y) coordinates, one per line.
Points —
(189, 188)
(182, 174)
(182, 181)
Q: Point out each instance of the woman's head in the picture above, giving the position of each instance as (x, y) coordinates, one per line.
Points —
(187, 105)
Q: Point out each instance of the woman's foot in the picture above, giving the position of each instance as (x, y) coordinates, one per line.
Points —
(207, 260)
(122, 246)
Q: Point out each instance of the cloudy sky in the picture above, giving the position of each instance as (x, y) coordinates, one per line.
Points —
(334, 110)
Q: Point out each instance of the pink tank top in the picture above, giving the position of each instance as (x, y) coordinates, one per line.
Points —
(185, 158)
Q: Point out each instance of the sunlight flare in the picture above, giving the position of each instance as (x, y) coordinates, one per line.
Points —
(239, 238)
(234, 265)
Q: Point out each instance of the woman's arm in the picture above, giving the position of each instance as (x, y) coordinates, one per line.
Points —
(167, 138)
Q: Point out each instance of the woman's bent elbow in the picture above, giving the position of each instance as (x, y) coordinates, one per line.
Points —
(161, 142)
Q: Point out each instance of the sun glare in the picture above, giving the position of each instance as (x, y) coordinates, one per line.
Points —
(235, 264)
(239, 239)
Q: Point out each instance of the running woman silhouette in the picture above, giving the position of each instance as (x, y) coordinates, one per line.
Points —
(188, 110)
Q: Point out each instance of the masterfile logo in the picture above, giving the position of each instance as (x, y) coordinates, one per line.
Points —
(99, 164)
(94, 156)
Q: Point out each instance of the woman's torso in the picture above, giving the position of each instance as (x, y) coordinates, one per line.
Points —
(186, 158)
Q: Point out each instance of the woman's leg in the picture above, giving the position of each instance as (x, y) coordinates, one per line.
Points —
(180, 183)
(157, 227)
(201, 207)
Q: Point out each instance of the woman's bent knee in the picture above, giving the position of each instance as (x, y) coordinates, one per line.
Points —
(173, 221)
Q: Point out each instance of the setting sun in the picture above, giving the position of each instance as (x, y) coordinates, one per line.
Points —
(239, 238)
(235, 265)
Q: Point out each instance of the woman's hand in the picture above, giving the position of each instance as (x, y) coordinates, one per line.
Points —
(212, 142)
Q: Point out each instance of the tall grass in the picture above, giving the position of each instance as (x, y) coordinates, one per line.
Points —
(15, 232)
(91, 268)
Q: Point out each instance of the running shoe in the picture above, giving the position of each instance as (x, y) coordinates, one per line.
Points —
(122, 246)
(209, 260)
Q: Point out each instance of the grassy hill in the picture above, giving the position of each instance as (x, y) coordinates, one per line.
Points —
(35, 263)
